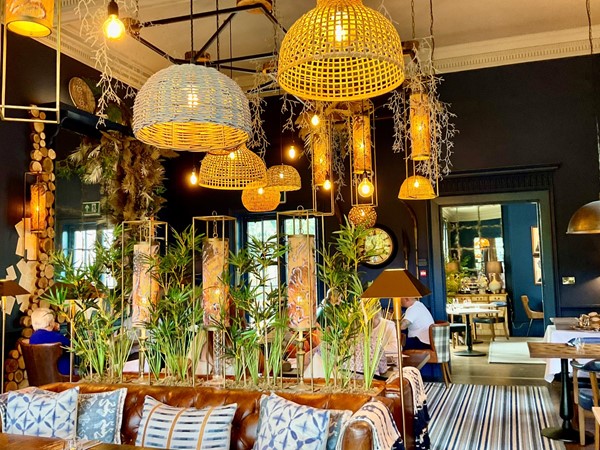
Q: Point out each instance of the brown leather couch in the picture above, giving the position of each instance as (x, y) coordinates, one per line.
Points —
(357, 437)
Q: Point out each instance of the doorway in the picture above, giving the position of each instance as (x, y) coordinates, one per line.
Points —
(512, 229)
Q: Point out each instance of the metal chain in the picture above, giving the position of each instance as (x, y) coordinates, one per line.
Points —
(588, 10)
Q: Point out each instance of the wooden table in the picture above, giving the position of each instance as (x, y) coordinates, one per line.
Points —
(18, 442)
(467, 311)
(417, 360)
(566, 432)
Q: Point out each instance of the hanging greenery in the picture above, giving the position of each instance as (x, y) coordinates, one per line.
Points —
(129, 172)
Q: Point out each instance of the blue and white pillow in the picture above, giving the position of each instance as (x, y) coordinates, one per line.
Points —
(100, 416)
(290, 426)
(164, 426)
(42, 413)
(337, 421)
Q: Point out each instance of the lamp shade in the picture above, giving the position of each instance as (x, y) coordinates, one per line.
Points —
(416, 187)
(215, 291)
(363, 215)
(190, 107)
(453, 267)
(361, 144)
(340, 51)
(420, 133)
(283, 178)
(493, 267)
(321, 161)
(30, 18)
(232, 171)
(586, 219)
(258, 199)
(395, 283)
(10, 288)
(302, 281)
(37, 206)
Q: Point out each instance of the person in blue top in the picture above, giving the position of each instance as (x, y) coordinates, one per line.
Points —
(46, 332)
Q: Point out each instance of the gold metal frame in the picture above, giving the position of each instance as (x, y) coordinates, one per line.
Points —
(6, 108)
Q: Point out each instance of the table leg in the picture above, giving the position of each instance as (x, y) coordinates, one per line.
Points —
(566, 432)
(469, 338)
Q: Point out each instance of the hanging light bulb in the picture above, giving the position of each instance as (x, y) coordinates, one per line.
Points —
(232, 155)
(113, 27)
(327, 184)
(193, 177)
(315, 120)
(292, 151)
(365, 188)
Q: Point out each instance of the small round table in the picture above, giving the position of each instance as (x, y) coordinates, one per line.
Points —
(467, 311)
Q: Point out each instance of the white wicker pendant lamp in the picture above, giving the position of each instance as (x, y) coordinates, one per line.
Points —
(191, 107)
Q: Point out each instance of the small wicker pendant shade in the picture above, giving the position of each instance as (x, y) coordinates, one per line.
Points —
(283, 178)
(190, 107)
(340, 51)
(258, 199)
(363, 215)
(416, 187)
(233, 171)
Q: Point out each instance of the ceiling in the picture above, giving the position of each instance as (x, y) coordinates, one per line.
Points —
(468, 34)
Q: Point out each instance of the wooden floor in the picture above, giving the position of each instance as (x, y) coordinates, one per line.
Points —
(477, 370)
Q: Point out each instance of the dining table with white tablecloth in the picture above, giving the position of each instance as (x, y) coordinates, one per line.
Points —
(557, 334)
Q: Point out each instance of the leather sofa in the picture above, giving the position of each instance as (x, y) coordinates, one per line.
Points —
(357, 437)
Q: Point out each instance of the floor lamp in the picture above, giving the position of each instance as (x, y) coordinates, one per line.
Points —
(8, 288)
(395, 284)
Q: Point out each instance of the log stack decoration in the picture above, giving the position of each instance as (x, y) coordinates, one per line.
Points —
(42, 167)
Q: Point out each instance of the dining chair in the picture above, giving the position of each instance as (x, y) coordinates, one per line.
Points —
(41, 363)
(439, 338)
(493, 319)
(531, 315)
(586, 398)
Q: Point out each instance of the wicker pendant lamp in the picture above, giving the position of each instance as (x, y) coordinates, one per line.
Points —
(233, 171)
(420, 133)
(363, 215)
(340, 51)
(258, 199)
(283, 178)
(190, 107)
(416, 187)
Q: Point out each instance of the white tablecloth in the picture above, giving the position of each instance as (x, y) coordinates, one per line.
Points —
(561, 336)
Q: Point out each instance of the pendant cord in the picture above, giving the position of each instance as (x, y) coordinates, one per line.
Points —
(412, 17)
(218, 34)
(431, 31)
(191, 31)
(588, 10)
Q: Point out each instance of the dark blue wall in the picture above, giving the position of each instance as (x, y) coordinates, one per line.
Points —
(518, 218)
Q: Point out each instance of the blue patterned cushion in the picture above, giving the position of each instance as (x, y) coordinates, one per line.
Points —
(3, 400)
(337, 420)
(42, 413)
(100, 416)
(164, 426)
(286, 425)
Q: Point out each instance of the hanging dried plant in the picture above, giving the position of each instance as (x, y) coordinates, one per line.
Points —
(420, 77)
(129, 172)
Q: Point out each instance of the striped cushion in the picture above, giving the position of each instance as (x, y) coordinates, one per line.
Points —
(164, 426)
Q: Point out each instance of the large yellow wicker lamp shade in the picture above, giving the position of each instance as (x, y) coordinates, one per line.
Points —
(258, 199)
(420, 130)
(233, 171)
(191, 107)
(30, 18)
(340, 51)
(283, 178)
(416, 187)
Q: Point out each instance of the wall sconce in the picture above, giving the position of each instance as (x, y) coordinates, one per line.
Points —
(34, 197)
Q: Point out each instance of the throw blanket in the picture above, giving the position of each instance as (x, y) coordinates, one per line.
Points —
(379, 418)
(421, 414)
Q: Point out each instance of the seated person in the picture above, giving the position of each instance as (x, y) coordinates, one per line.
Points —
(46, 332)
(390, 340)
(416, 321)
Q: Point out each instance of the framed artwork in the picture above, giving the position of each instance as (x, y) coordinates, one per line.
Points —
(535, 252)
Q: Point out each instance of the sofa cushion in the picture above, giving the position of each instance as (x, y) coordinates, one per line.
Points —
(100, 416)
(164, 426)
(42, 413)
(285, 424)
(337, 421)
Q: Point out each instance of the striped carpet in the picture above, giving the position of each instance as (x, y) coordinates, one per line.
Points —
(473, 417)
